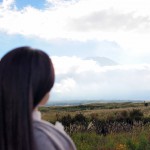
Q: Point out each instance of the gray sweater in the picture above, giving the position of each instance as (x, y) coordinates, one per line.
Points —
(49, 137)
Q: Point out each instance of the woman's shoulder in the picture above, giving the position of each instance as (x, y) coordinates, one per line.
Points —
(50, 137)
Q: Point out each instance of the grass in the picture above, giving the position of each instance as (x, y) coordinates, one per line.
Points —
(102, 110)
(120, 141)
(137, 139)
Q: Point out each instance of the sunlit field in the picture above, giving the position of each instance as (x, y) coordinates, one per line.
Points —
(104, 126)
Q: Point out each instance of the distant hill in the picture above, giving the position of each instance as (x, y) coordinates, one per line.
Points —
(86, 102)
(103, 61)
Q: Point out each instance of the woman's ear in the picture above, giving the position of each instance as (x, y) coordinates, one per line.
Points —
(44, 99)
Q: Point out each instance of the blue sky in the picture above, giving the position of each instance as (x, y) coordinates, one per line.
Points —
(79, 35)
(39, 4)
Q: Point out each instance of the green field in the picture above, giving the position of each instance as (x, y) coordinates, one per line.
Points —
(104, 126)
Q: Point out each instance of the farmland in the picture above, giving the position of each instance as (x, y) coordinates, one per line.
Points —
(104, 126)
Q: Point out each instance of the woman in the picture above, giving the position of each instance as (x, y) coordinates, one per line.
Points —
(26, 78)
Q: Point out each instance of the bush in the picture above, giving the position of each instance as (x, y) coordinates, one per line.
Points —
(136, 114)
(66, 120)
(80, 119)
(146, 120)
(124, 114)
(145, 104)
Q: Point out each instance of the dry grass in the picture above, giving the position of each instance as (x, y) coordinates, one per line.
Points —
(136, 139)
(101, 111)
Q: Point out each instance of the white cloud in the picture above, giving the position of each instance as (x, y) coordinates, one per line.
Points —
(85, 79)
(6, 4)
(65, 86)
(125, 22)
(66, 64)
(60, 2)
(107, 20)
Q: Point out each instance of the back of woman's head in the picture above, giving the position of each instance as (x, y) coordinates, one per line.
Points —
(26, 76)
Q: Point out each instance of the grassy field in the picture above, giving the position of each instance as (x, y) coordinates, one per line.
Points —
(104, 126)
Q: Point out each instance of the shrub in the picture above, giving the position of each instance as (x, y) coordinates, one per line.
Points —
(136, 114)
(66, 120)
(80, 119)
(145, 104)
(146, 120)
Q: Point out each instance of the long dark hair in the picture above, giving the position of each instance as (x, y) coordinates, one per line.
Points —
(26, 75)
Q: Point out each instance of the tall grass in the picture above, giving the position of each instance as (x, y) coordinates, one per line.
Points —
(133, 117)
(118, 141)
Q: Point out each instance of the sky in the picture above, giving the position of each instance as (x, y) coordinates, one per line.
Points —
(100, 48)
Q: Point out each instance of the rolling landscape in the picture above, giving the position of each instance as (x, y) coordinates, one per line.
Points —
(104, 125)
